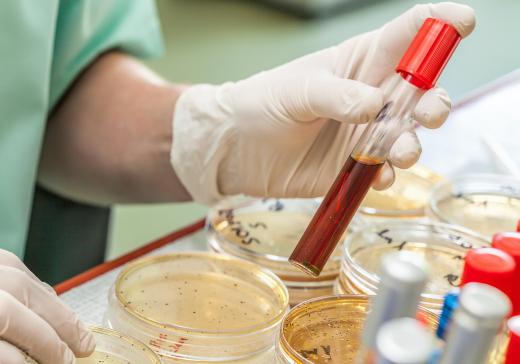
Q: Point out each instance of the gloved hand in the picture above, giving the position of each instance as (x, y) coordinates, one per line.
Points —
(34, 322)
(287, 132)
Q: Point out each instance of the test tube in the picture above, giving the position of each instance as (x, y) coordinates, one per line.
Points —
(404, 341)
(417, 72)
(403, 278)
(482, 310)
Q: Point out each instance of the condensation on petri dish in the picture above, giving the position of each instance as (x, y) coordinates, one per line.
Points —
(486, 214)
(408, 196)
(197, 293)
(102, 358)
(445, 263)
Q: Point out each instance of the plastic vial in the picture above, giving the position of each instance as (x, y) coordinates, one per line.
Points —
(481, 313)
(404, 341)
(451, 302)
(513, 351)
(486, 204)
(115, 348)
(199, 307)
(443, 246)
(265, 232)
(403, 278)
(417, 72)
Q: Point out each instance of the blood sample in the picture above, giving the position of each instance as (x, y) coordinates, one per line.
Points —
(334, 214)
(417, 72)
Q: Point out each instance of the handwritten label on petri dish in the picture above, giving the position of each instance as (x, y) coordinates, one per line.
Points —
(446, 262)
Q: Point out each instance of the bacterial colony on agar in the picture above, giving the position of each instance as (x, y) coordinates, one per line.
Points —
(115, 348)
(326, 331)
(198, 306)
(265, 232)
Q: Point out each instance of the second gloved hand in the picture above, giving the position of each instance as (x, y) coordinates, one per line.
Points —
(287, 132)
(34, 322)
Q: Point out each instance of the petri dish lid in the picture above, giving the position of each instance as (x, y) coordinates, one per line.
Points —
(327, 330)
(266, 231)
(443, 246)
(407, 197)
(202, 293)
(115, 348)
(486, 204)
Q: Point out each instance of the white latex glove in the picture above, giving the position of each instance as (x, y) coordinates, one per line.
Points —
(34, 322)
(287, 132)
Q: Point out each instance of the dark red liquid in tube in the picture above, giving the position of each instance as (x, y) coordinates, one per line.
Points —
(334, 214)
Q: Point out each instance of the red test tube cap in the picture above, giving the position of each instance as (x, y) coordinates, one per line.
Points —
(513, 350)
(429, 52)
(510, 243)
(490, 266)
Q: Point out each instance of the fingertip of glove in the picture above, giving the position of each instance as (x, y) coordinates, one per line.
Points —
(87, 343)
(371, 102)
(461, 16)
(385, 179)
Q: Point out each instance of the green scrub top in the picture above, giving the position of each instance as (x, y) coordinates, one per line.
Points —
(44, 45)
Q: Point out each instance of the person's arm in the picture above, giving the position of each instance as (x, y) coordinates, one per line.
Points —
(109, 139)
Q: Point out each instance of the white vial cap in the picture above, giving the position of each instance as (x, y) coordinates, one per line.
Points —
(404, 341)
(404, 268)
(485, 303)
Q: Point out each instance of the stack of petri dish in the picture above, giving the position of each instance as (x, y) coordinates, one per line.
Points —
(406, 199)
(265, 232)
(486, 204)
(199, 307)
(443, 246)
(326, 330)
(115, 348)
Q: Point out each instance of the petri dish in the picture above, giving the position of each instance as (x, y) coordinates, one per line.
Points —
(443, 246)
(115, 348)
(265, 232)
(198, 306)
(486, 204)
(407, 198)
(326, 330)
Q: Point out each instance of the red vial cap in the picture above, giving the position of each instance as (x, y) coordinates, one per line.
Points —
(513, 350)
(490, 266)
(510, 243)
(518, 226)
(428, 54)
